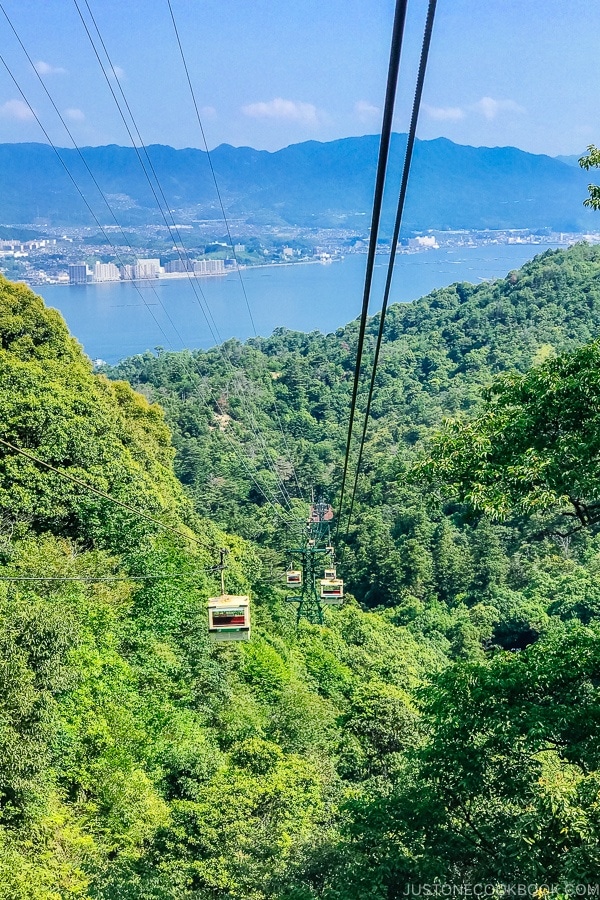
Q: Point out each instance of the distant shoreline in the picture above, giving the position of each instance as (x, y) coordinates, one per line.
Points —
(300, 262)
(113, 322)
(173, 276)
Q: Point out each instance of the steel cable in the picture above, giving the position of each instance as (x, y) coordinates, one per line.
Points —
(396, 234)
(384, 146)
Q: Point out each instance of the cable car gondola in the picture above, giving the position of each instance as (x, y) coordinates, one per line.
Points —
(330, 574)
(293, 576)
(229, 618)
(332, 591)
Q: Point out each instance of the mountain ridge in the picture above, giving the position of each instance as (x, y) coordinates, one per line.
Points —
(319, 184)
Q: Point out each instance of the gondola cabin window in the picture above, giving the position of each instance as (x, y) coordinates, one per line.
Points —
(229, 618)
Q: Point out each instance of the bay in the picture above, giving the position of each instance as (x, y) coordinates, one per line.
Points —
(115, 320)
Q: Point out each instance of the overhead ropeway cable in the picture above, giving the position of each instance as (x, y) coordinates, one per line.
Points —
(77, 188)
(95, 182)
(270, 500)
(102, 230)
(210, 163)
(79, 482)
(225, 220)
(396, 234)
(384, 147)
(94, 578)
(171, 226)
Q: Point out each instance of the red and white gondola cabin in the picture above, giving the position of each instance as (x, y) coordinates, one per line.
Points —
(332, 591)
(229, 618)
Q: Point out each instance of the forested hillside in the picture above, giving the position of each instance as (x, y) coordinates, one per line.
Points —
(442, 725)
(438, 355)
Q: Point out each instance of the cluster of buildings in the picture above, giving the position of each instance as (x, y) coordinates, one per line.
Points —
(144, 269)
(22, 249)
(57, 255)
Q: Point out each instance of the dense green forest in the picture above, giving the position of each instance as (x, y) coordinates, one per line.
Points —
(439, 728)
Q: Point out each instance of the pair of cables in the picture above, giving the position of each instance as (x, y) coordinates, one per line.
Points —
(153, 180)
(382, 165)
(162, 203)
(226, 223)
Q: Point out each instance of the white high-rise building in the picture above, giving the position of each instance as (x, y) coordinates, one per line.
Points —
(147, 268)
(209, 267)
(106, 272)
(127, 273)
(179, 265)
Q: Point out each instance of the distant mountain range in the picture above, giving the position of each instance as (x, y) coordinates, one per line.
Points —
(572, 160)
(309, 184)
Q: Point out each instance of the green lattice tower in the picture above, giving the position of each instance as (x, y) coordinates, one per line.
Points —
(309, 601)
(313, 558)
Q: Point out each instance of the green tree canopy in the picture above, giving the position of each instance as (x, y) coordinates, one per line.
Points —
(591, 161)
(534, 446)
(52, 405)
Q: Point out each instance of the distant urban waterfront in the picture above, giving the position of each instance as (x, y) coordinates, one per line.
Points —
(115, 320)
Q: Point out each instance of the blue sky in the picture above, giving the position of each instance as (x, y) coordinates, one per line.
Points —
(268, 73)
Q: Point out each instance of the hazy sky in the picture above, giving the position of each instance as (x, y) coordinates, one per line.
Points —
(268, 73)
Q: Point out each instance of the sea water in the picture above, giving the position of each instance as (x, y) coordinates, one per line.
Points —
(115, 320)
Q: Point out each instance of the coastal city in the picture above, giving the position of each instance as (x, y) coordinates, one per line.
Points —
(77, 256)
